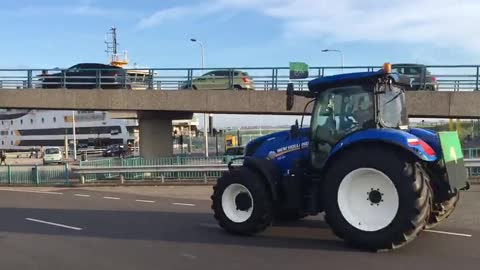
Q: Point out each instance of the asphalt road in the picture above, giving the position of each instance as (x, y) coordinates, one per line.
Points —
(172, 228)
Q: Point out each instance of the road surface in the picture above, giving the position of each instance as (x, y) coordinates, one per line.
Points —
(172, 228)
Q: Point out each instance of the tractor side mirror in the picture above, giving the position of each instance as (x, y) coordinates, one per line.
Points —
(290, 96)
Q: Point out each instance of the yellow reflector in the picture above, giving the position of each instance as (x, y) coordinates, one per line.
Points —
(387, 68)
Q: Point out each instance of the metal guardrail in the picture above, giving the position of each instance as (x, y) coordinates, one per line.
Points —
(121, 171)
(132, 171)
(151, 169)
(35, 175)
(159, 171)
(472, 163)
(449, 77)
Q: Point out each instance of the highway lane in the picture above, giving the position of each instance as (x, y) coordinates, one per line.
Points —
(173, 229)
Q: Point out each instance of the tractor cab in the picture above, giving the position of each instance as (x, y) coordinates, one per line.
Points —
(348, 103)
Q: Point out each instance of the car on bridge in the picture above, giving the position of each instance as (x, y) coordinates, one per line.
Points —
(221, 80)
(420, 77)
(86, 76)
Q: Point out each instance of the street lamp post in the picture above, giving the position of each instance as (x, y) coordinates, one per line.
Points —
(205, 116)
(337, 51)
(74, 136)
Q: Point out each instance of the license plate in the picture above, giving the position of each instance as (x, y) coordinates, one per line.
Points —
(453, 159)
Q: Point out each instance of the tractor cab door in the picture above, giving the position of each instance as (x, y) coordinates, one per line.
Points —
(337, 113)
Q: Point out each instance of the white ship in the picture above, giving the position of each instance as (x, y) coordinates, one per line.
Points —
(33, 129)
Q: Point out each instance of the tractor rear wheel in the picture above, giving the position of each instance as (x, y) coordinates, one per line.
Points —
(378, 200)
(242, 203)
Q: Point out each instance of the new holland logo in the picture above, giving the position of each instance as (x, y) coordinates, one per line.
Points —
(287, 149)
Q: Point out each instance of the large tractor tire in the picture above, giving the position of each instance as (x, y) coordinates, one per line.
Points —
(242, 203)
(376, 198)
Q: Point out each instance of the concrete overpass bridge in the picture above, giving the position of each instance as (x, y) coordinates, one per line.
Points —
(174, 104)
(156, 106)
(156, 109)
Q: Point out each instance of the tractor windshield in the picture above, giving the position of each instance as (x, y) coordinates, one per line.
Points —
(337, 113)
(392, 107)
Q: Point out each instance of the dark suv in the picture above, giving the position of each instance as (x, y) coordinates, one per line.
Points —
(420, 77)
(86, 76)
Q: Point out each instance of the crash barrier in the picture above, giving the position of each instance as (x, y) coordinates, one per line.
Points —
(448, 77)
(188, 171)
(473, 167)
(203, 172)
(136, 170)
(136, 162)
(35, 175)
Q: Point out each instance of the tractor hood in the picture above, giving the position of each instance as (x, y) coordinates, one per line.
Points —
(276, 137)
(281, 147)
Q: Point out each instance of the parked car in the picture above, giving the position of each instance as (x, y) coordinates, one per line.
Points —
(84, 76)
(420, 77)
(52, 155)
(233, 152)
(221, 80)
(115, 150)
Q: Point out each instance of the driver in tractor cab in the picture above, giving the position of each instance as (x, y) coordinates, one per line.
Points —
(347, 121)
(364, 111)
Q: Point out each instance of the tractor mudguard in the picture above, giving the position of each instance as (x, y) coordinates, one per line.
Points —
(430, 137)
(268, 170)
(399, 138)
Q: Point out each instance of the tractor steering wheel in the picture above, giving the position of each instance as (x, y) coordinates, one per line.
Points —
(322, 133)
(351, 128)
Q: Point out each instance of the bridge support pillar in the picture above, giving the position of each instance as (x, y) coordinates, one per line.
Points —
(156, 133)
(155, 138)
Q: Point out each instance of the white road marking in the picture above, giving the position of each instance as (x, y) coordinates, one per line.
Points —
(145, 201)
(54, 224)
(111, 198)
(184, 204)
(33, 191)
(449, 233)
(190, 256)
(82, 195)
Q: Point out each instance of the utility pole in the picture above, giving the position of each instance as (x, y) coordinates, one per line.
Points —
(205, 115)
(74, 136)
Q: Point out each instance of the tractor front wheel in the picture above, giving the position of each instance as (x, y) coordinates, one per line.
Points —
(376, 198)
(242, 203)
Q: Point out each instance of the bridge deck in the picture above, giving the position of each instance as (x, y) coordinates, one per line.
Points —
(419, 104)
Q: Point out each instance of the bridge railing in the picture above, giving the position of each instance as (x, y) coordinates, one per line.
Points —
(449, 77)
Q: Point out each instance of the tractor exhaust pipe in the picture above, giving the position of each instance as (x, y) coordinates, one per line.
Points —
(290, 96)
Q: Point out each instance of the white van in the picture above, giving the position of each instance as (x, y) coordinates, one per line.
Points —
(52, 155)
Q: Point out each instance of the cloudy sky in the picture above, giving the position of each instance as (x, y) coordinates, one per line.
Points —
(247, 33)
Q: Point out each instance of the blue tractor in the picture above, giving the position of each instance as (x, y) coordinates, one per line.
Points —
(379, 182)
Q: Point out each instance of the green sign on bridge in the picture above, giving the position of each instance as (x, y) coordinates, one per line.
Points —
(298, 70)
